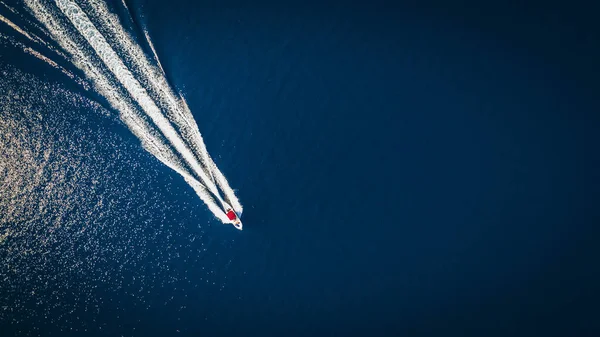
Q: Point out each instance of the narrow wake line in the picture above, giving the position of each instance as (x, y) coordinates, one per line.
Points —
(41, 29)
(153, 51)
(15, 27)
(172, 137)
(40, 56)
(32, 37)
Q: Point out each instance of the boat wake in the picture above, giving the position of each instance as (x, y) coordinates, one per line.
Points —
(89, 36)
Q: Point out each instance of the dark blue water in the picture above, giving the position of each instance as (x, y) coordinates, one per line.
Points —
(403, 171)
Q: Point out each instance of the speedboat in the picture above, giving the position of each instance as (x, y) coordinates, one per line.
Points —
(235, 220)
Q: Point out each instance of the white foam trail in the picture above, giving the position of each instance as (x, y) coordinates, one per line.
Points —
(220, 178)
(177, 109)
(155, 80)
(228, 191)
(132, 117)
(158, 148)
(115, 64)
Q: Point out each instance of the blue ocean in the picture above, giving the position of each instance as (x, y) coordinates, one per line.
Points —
(404, 169)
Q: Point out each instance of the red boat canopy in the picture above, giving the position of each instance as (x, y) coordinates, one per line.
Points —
(231, 215)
